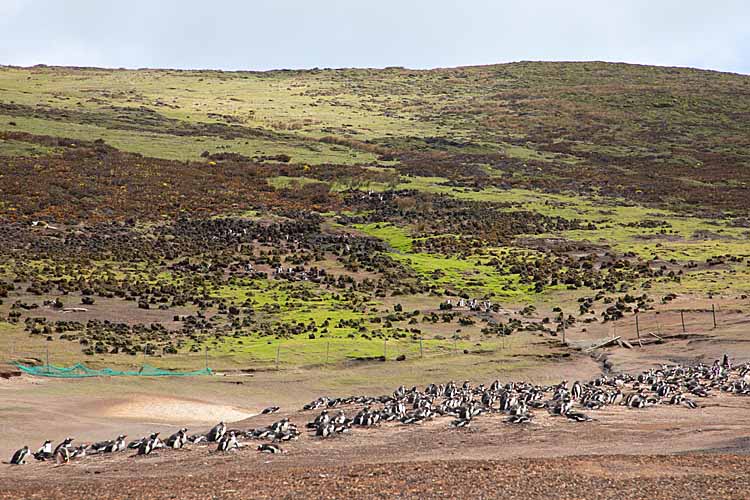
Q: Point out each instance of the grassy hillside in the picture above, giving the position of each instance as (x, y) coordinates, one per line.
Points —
(612, 128)
(172, 197)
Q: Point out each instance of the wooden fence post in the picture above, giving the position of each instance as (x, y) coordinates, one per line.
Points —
(206, 358)
(638, 330)
(421, 348)
(328, 348)
(637, 326)
(278, 353)
(682, 318)
(385, 349)
(713, 313)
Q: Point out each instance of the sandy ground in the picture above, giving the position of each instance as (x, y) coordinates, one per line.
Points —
(620, 455)
(174, 410)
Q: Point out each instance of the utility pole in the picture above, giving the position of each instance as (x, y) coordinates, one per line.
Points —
(278, 353)
(421, 348)
(206, 358)
(47, 358)
(328, 348)
(385, 349)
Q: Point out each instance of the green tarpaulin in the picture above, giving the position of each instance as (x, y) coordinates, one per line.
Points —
(79, 370)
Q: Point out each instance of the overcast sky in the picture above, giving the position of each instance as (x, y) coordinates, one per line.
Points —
(267, 34)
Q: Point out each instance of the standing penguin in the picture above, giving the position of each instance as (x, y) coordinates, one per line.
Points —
(62, 452)
(155, 441)
(147, 445)
(726, 363)
(64, 444)
(20, 456)
(217, 433)
(228, 442)
(576, 391)
(178, 439)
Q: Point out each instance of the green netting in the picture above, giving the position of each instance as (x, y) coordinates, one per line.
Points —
(79, 370)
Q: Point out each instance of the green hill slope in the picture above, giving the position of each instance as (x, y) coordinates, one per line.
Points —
(664, 135)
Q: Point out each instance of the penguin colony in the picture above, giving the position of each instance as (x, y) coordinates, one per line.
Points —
(517, 401)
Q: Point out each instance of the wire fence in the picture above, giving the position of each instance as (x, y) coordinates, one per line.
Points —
(672, 322)
(676, 322)
(279, 354)
(655, 325)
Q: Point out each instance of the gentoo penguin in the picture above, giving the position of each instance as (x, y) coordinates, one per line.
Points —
(178, 439)
(20, 456)
(576, 416)
(133, 445)
(280, 426)
(325, 430)
(217, 432)
(270, 409)
(228, 442)
(269, 448)
(79, 452)
(460, 422)
(558, 407)
(62, 452)
(689, 403)
(576, 391)
(116, 445)
(156, 442)
(287, 435)
(320, 421)
(400, 392)
(197, 438)
(524, 418)
(44, 452)
(64, 444)
(148, 445)
(340, 418)
(726, 363)
(113, 445)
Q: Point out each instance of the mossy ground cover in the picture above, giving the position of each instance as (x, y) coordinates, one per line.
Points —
(678, 237)
(176, 147)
